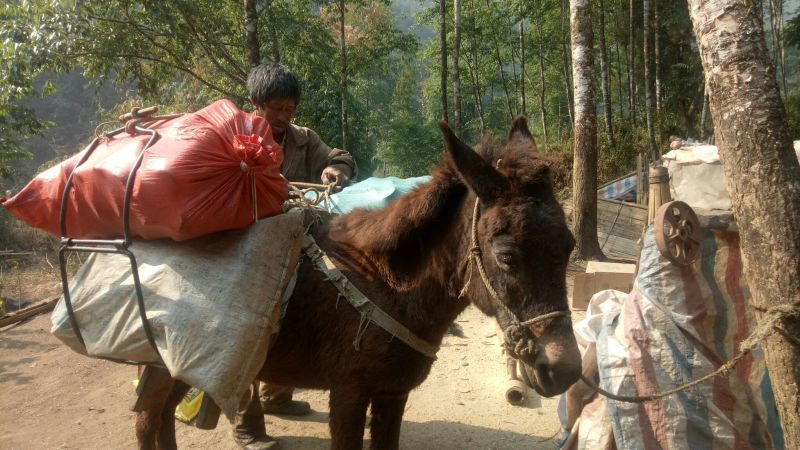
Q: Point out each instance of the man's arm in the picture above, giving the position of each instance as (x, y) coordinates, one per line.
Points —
(329, 165)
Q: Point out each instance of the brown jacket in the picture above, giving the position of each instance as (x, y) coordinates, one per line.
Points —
(305, 156)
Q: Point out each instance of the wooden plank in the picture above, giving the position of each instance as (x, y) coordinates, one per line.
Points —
(30, 311)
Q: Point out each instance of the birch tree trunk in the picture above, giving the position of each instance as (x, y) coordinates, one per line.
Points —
(456, 67)
(584, 187)
(604, 75)
(763, 178)
(343, 49)
(251, 33)
(443, 51)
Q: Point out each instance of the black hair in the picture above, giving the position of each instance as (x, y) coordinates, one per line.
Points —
(270, 81)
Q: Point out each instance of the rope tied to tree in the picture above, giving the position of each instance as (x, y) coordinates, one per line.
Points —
(770, 321)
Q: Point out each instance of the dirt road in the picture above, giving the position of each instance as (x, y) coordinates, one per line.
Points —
(52, 398)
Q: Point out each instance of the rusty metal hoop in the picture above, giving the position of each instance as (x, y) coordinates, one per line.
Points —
(678, 233)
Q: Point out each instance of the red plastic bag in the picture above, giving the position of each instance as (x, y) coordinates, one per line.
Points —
(197, 178)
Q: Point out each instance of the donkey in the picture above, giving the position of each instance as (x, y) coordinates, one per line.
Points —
(487, 229)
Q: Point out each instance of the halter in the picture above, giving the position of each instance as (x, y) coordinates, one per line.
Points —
(519, 342)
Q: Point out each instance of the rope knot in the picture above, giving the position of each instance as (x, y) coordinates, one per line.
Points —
(518, 342)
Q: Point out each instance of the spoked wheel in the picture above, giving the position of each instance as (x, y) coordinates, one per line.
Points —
(678, 233)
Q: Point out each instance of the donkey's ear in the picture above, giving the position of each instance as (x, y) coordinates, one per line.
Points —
(479, 175)
(519, 130)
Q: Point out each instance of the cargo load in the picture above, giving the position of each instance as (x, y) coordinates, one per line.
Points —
(212, 170)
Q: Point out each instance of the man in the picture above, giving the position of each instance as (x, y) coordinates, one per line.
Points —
(275, 92)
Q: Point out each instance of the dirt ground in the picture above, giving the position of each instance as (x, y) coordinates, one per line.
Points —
(52, 398)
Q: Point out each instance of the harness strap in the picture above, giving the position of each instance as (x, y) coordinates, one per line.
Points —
(370, 312)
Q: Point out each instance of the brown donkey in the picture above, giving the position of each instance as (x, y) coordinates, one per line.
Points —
(411, 259)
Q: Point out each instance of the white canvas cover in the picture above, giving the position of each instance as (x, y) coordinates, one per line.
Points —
(696, 176)
(213, 304)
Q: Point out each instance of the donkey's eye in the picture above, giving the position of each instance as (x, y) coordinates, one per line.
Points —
(505, 260)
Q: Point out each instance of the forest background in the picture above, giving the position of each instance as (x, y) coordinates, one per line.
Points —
(372, 76)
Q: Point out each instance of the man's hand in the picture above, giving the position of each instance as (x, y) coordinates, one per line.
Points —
(335, 176)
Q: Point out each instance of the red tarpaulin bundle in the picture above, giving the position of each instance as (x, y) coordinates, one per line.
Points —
(197, 178)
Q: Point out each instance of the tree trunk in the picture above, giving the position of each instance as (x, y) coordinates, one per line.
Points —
(474, 73)
(456, 68)
(522, 64)
(500, 66)
(648, 81)
(343, 45)
(778, 38)
(542, 105)
(273, 33)
(631, 66)
(443, 52)
(565, 57)
(585, 166)
(619, 58)
(657, 55)
(251, 33)
(604, 76)
(763, 178)
(704, 115)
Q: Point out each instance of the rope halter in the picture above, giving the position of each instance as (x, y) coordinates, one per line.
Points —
(519, 341)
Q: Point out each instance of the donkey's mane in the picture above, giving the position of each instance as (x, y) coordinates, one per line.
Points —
(398, 238)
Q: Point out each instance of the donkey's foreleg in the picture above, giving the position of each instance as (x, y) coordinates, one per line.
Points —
(387, 417)
(166, 432)
(348, 415)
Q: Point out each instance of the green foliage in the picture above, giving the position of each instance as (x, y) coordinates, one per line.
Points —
(793, 114)
(184, 54)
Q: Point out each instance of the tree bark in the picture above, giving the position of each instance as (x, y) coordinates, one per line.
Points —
(542, 105)
(704, 115)
(565, 57)
(648, 81)
(443, 54)
(631, 65)
(657, 55)
(585, 166)
(456, 67)
(763, 177)
(500, 66)
(474, 72)
(343, 49)
(604, 75)
(251, 33)
(522, 65)
(273, 33)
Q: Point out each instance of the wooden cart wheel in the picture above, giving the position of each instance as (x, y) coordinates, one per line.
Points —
(677, 233)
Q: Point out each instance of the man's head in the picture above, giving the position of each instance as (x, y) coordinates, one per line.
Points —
(274, 92)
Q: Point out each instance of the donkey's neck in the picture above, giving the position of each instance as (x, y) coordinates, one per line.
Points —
(416, 246)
